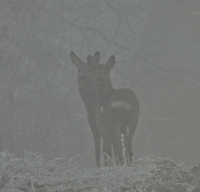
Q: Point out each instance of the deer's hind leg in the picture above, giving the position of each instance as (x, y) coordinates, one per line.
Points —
(124, 131)
(132, 127)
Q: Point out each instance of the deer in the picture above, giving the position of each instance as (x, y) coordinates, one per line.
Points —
(85, 79)
(117, 112)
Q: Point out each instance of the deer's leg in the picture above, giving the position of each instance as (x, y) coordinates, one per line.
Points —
(124, 132)
(96, 137)
(117, 145)
(129, 146)
(132, 128)
(97, 144)
(107, 145)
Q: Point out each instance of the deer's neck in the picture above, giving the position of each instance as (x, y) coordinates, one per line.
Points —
(89, 97)
(105, 93)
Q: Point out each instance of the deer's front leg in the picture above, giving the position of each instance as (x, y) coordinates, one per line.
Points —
(97, 143)
(107, 146)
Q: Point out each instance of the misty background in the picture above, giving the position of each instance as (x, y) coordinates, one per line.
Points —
(157, 48)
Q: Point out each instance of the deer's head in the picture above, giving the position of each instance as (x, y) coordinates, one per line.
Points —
(85, 76)
(102, 79)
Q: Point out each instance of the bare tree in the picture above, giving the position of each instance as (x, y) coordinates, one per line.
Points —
(156, 42)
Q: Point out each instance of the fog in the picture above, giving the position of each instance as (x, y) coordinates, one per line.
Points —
(156, 44)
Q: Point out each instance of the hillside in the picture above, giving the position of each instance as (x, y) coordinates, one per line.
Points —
(150, 173)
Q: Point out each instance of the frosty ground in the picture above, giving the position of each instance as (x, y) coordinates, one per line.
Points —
(148, 174)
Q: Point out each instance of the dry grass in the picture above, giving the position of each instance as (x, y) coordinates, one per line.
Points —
(32, 173)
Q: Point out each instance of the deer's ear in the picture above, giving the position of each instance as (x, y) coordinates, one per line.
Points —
(90, 61)
(96, 57)
(110, 63)
(75, 59)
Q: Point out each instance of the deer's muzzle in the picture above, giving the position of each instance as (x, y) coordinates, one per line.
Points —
(99, 81)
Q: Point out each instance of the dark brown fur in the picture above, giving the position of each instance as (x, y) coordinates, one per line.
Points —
(85, 78)
(116, 112)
